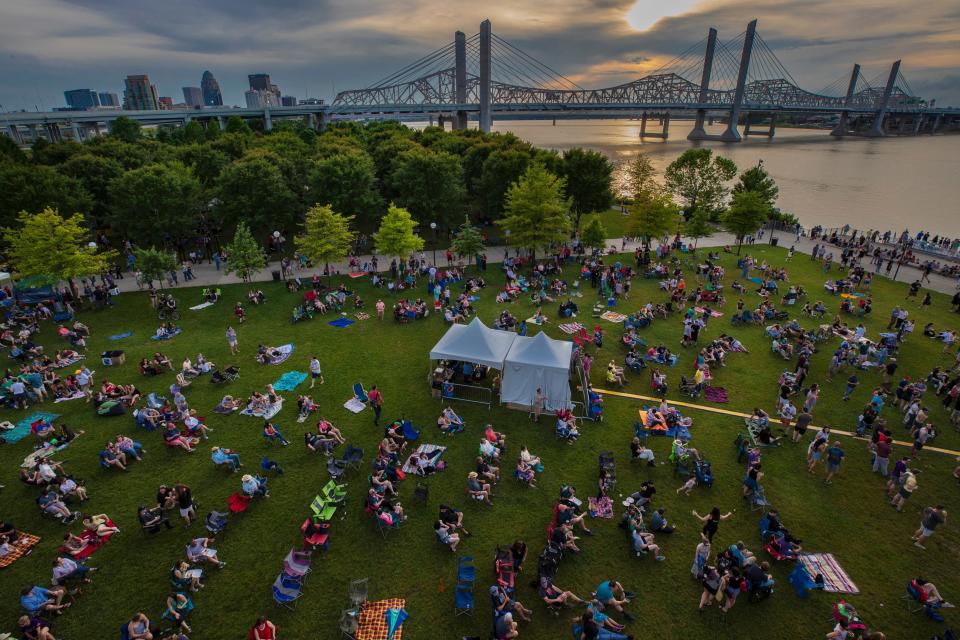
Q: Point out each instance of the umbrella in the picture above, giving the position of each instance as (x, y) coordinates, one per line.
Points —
(395, 618)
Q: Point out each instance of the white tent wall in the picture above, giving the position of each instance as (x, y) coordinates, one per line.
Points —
(537, 362)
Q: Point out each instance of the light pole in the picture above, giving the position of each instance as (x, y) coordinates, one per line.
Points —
(433, 226)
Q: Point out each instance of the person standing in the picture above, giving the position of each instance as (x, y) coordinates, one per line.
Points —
(315, 371)
(834, 457)
(852, 383)
(881, 458)
(800, 428)
(381, 307)
(539, 401)
(376, 401)
(932, 518)
(232, 340)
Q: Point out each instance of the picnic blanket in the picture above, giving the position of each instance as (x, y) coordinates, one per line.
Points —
(76, 395)
(756, 280)
(289, 381)
(22, 547)
(201, 306)
(340, 323)
(715, 394)
(95, 543)
(69, 361)
(354, 405)
(536, 321)
(270, 412)
(362, 316)
(434, 451)
(372, 622)
(602, 508)
(285, 351)
(835, 579)
(223, 411)
(357, 274)
(713, 314)
(613, 316)
(121, 336)
(175, 333)
(571, 327)
(22, 430)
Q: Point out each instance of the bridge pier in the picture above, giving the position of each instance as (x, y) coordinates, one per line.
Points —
(843, 127)
(664, 123)
(13, 133)
(486, 117)
(936, 124)
(877, 130)
(732, 134)
(698, 132)
(221, 122)
(267, 120)
(768, 132)
(460, 78)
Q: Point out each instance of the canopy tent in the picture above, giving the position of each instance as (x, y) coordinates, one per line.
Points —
(474, 342)
(538, 362)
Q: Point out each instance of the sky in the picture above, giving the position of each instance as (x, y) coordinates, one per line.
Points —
(313, 48)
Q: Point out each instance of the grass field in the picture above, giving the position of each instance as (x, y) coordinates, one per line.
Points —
(850, 518)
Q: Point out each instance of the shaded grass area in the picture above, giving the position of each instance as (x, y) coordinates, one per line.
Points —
(849, 518)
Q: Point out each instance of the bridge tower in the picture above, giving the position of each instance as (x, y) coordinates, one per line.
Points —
(876, 131)
(698, 132)
(460, 78)
(843, 125)
(732, 134)
(486, 117)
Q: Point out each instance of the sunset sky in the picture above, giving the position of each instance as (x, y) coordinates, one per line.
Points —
(315, 47)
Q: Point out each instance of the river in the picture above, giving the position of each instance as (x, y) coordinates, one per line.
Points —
(893, 183)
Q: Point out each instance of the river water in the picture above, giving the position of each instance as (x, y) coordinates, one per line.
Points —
(893, 183)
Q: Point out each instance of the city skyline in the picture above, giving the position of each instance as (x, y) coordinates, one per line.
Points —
(594, 42)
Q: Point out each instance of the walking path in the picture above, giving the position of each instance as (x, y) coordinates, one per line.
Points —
(208, 275)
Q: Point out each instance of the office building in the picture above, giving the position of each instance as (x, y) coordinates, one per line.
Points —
(165, 102)
(193, 96)
(139, 94)
(288, 101)
(258, 99)
(109, 99)
(81, 99)
(261, 82)
(312, 101)
(211, 90)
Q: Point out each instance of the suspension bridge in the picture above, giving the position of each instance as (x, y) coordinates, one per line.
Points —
(738, 82)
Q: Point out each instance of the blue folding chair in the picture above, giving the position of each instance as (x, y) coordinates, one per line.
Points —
(360, 393)
(287, 590)
(463, 600)
(465, 569)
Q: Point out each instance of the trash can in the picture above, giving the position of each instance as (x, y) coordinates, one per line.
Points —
(111, 358)
(774, 241)
(276, 276)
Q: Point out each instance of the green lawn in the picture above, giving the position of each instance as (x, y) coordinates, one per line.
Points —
(849, 518)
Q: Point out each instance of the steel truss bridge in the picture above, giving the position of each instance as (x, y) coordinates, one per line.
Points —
(484, 77)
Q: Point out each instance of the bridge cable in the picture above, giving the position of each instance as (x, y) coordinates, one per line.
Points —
(414, 67)
(523, 54)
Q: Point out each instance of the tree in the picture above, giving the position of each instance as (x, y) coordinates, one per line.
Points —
(347, 182)
(652, 217)
(637, 178)
(244, 255)
(26, 187)
(254, 190)
(697, 226)
(589, 177)
(499, 171)
(757, 179)
(193, 133)
(468, 240)
(536, 213)
(746, 214)
(395, 236)
(53, 249)
(126, 129)
(153, 264)
(10, 150)
(326, 235)
(429, 185)
(95, 173)
(594, 235)
(236, 124)
(206, 162)
(697, 178)
(155, 202)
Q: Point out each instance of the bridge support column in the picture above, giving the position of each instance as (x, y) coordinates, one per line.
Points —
(11, 131)
(732, 134)
(267, 120)
(877, 130)
(936, 124)
(664, 126)
(310, 121)
(460, 78)
(221, 122)
(918, 123)
(486, 118)
(768, 132)
(843, 125)
(322, 119)
(698, 132)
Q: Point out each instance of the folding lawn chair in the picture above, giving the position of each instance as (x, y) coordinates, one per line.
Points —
(323, 510)
(335, 469)
(357, 592)
(466, 572)
(286, 591)
(238, 502)
(352, 457)
(333, 492)
(359, 393)
(216, 522)
(463, 603)
(349, 623)
(297, 564)
(758, 501)
(316, 539)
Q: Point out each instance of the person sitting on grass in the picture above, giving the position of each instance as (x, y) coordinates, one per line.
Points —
(477, 489)
(643, 543)
(505, 603)
(70, 487)
(138, 628)
(152, 519)
(316, 443)
(173, 438)
(183, 577)
(223, 455)
(638, 452)
(325, 429)
(50, 502)
(100, 525)
(228, 405)
(453, 517)
(179, 606)
(486, 471)
(112, 457)
(615, 374)
(37, 599)
(555, 596)
(199, 550)
(130, 447)
(272, 432)
(66, 569)
(35, 628)
(254, 486)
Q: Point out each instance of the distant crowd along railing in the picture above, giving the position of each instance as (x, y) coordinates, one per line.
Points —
(466, 393)
(946, 248)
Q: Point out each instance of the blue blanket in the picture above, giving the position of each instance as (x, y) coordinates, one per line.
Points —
(289, 381)
(121, 336)
(341, 322)
(22, 430)
(168, 336)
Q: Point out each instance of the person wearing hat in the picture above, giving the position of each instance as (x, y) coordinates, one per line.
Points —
(253, 487)
(477, 489)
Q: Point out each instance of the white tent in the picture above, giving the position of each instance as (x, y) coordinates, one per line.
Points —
(474, 342)
(537, 362)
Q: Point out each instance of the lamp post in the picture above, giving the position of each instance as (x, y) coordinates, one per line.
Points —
(433, 226)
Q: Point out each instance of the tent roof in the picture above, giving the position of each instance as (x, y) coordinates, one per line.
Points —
(541, 350)
(475, 342)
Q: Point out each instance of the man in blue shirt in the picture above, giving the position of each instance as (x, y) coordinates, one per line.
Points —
(38, 599)
(834, 458)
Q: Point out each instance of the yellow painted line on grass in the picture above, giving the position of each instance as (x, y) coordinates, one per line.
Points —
(738, 414)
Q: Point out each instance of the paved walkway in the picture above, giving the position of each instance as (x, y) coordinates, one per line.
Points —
(208, 275)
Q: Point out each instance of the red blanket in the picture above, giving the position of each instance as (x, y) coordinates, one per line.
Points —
(95, 543)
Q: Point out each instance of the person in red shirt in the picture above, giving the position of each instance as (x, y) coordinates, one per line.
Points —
(881, 454)
(263, 630)
(376, 401)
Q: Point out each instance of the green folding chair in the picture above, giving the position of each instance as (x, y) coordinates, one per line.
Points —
(334, 492)
(323, 510)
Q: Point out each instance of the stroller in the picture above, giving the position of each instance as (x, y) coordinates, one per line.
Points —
(703, 473)
(226, 375)
(688, 387)
(845, 611)
(606, 463)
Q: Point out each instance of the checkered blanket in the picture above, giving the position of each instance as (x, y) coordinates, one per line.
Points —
(571, 327)
(433, 451)
(21, 547)
(373, 620)
(835, 579)
(613, 316)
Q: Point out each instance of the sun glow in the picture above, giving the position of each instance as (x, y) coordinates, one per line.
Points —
(645, 13)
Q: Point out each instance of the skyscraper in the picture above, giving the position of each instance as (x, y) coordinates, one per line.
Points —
(193, 96)
(165, 102)
(139, 94)
(81, 99)
(261, 82)
(211, 90)
(258, 98)
(108, 99)
(288, 101)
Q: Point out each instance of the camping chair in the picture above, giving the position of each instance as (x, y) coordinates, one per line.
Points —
(466, 573)
(286, 591)
(421, 492)
(335, 469)
(334, 492)
(641, 431)
(463, 599)
(357, 593)
(322, 510)
(758, 501)
(297, 564)
(351, 457)
(238, 502)
(349, 623)
(741, 443)
(914, 595)
(359, 393)
(216, 522)
(316, 539)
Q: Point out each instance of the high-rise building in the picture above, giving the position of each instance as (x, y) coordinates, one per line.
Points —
(81, 99)
(258, 99)
(139, 94)
(108, 99)
(288, 101)
(193, 96)
(261, 82)
(165, 102)
(211, 90)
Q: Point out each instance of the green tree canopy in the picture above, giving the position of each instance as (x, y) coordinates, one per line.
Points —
(155, 201)
(10, 150)
(25, 187)
(206, 162)
(757, 179)
(125, 129)
(254, 190)
(395, 236)
(95, 173)
(637, 178)
(153, 264)
(500, 171)
(594, 235)
(746, 214)
(652, 217)
(326, 235)
(698, 179)
(347, 182)
(536, 214)
(52, 248)
(244, 255)
(589, 179)
(429, 185)
(697, 226)
(468, 240)
(236, 124)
